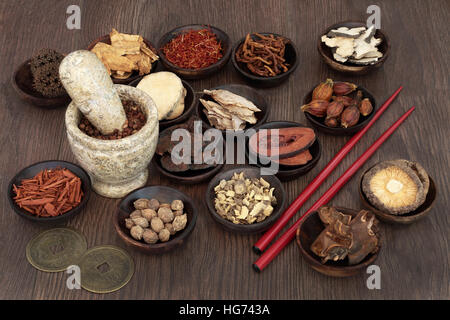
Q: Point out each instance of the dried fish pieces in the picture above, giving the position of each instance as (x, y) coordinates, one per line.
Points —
(229, 111)
(355, 45)
(243, 200)
(167, 91)
(126, 53)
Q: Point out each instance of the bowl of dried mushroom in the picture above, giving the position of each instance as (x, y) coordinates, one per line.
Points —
(243, 200)
(339, 242)
(155, 219)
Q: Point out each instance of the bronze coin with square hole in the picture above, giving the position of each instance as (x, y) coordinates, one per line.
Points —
(56, 249)
(105, 269)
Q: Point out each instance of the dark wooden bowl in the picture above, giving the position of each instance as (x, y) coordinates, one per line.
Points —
(164, 195)
(318, 122)
(287, 173)
(135, 75)
(189, 105)
(308, 230)
(245, 91)
(290, 55)
(222, 37)
(22, 82)
(407, 218)
(251, 172)
(34, 169)
(350, 68)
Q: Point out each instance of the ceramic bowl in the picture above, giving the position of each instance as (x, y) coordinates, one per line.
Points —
(287, 173)
(291, 56)
(407, 218)
(22, 82)
(34, 169)
(250, 172)
(195, 73)
(189, 105)
(245, 91)
(327, 55)
(318, 122)
(135, 75)
(309, 229)
(164, 195)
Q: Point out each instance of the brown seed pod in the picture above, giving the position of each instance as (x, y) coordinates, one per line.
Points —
(365, 107)
(331, 122)
(317, 108)
(346, 100)
(344, 88)
(335, 109)
(350, 117)
(323, 91)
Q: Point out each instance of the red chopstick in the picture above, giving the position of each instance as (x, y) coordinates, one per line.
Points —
(278, 245)
(264, 241)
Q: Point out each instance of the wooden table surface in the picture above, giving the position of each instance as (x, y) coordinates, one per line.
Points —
(215, 264)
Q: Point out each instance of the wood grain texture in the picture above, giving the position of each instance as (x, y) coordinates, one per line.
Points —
(215, 264)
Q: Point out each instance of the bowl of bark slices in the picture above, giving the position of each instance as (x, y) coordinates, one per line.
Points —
(352, 47)
(398, 191)
(339, 242)
(339, 108)
(187, 160)
(265, 59)
(296, 152)
(49, 191)
(232, 107)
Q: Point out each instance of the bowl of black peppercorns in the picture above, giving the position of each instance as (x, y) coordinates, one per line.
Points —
(37, 80)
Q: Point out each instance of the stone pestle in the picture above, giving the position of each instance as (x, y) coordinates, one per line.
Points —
(88, 83)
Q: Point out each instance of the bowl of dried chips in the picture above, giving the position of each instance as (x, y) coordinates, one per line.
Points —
(243, 200)
(127, 57)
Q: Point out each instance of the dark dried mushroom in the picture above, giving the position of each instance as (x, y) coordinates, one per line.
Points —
(345, 236)
(396, 187)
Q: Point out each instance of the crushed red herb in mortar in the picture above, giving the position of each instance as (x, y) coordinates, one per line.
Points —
(50, 193)
(194, 49)
(136, 119)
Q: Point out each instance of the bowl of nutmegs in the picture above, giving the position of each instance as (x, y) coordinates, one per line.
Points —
(37, 80)
(339, 108)
(155, 219)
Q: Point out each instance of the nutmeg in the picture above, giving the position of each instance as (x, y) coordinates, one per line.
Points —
(129, 223)
(317, 108)
(148, 214)
(150, 236)
(365, 107)
(153, 204)
(323, 91)
(165, 214)
(177, 205)
(343, 88)
(140, 221)
(140, 204)
(136, 214)
(164, 235)
(334, 109)
(137, 232)
(350, 117)
(179, 223)
(157, 224)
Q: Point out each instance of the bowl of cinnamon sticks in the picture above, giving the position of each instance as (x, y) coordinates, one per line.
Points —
(49, 191)
(265, 59)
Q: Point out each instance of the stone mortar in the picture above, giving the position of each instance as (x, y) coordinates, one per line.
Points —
(116, 167)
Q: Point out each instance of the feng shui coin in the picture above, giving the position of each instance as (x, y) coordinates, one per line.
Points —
(56, 249)
(105, 269)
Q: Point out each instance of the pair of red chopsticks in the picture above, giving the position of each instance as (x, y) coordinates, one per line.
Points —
(276, 248)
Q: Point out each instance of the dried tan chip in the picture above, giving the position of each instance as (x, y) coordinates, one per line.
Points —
(144, 65)
(118, 62)
(149, 52)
